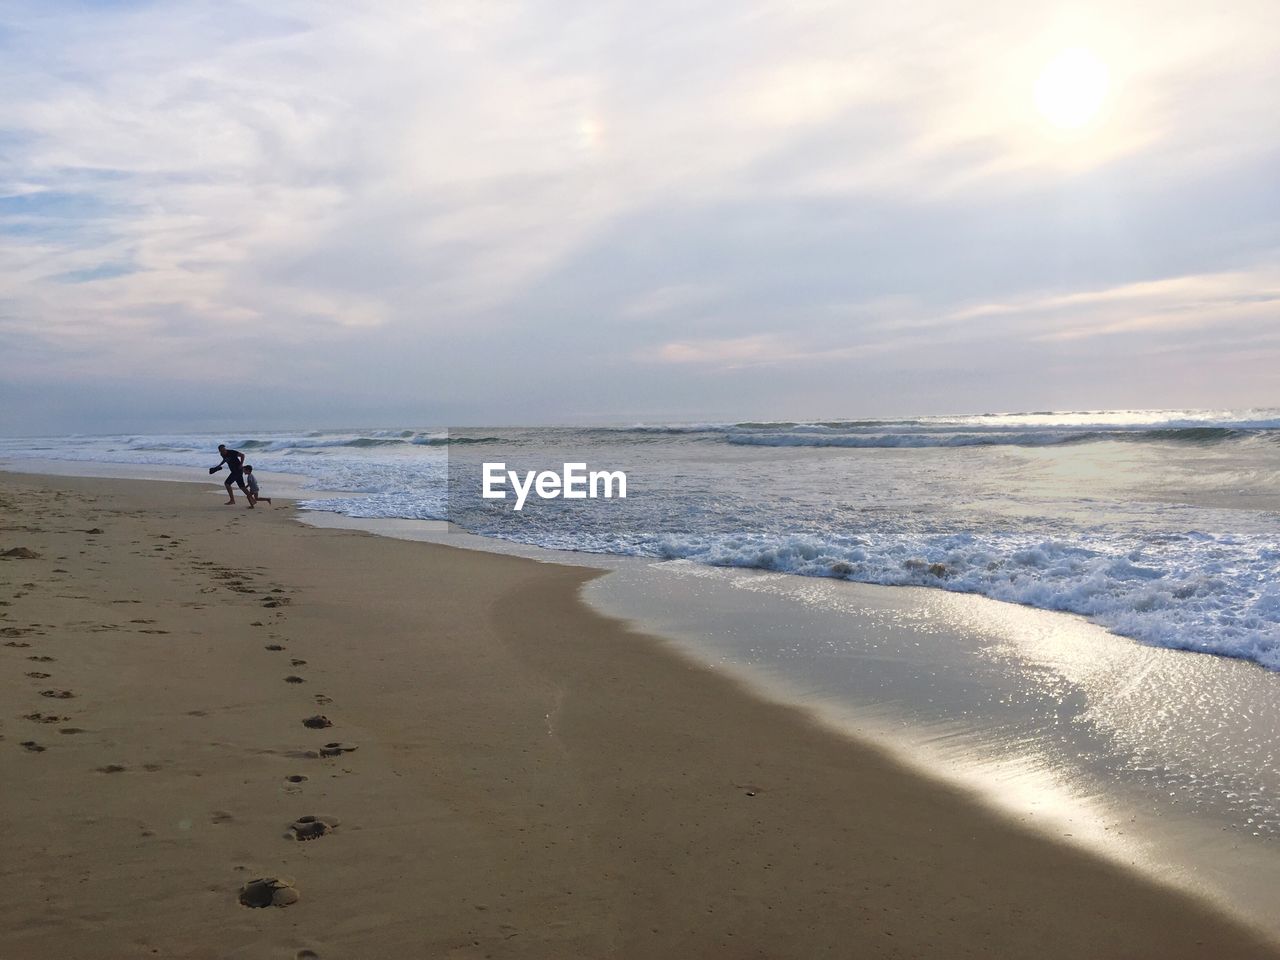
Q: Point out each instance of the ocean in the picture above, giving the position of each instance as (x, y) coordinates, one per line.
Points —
(1160, 526)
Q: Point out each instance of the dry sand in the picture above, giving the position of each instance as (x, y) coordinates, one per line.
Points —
(531, 779)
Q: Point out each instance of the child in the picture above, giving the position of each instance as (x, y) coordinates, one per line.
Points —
(252, 481)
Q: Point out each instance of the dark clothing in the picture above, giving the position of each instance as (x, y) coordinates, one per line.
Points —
(234, 460)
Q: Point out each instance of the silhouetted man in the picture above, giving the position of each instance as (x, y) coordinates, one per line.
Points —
(234, 460)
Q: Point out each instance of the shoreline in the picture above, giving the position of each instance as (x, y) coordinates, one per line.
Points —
(1029, 712)
(532, 778)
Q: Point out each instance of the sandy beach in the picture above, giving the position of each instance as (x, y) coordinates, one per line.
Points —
(443, 753)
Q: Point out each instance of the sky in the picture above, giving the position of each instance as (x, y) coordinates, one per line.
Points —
(311, 213)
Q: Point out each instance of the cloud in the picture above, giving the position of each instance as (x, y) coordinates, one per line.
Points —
(1171, 317)
(1168, 305)
(622, 191)
(763, 349)
(734, 351)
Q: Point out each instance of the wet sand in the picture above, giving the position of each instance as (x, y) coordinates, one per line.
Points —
(528, 778)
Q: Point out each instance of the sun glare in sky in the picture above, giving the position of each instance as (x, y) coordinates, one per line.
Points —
(1072, 88)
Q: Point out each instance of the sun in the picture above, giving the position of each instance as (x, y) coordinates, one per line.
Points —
(1072, 88)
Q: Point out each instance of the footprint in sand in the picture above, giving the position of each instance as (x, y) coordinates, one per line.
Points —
(296, 778)
(45, 718)
(69, 730)
(220, 816)
(334, 749)
(37, 675)
(57, 694)
(268, 892)
(317, 722)
(112, 768)
(297, 663)
(17, 643)
(31, 746)
(311, 828)
(294, 679)
(274, 646)
(43, 659)
(321, 699)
